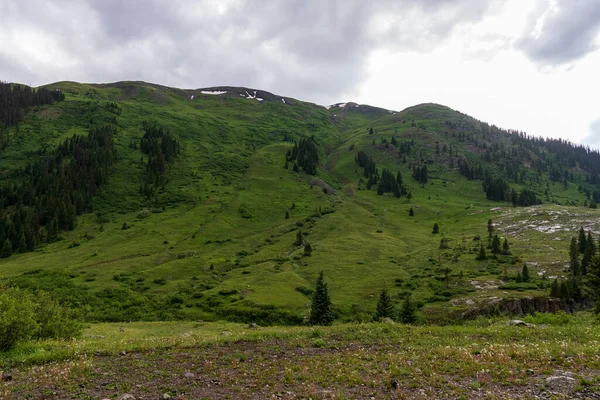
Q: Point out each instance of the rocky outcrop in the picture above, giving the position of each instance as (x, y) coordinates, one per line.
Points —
(520, 306)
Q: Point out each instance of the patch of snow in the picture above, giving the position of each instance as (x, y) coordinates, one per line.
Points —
(217, 92)
(496, 209)
(259, 99)
(192, 97)
(283, 100)
(356, 106)
(242, 94)
(342, 105)
(327, 107)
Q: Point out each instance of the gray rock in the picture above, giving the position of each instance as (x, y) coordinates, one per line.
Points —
(165, 396)
(560, 382)
(189, 375)
(226, 333)
(6, 376)
(127, 396)
(253, 326)
(518, 322)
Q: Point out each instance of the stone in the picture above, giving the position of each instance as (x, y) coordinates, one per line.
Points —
(395, 384)
(165, 396)
(560, 382)
(253, 326)
(518, 322)
(226, 333)
(189, 375)
(127, 396)
(6, 376)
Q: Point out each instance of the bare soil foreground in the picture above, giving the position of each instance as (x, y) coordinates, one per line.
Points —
(373, 361)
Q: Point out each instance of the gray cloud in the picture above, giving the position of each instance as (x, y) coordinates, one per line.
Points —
(557, 36)
(309, 49)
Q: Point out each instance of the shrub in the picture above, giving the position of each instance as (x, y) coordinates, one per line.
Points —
(24, 316)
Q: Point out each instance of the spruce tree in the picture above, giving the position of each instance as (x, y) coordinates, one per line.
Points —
(481, 255)
(6, 249)
(589, 252)
(582, 240)
(411, 212)
(287, 215)
(490, 227)
(525, 273)
(505, 247)
(436, 228)
(574, 258)
(407, 311)
(307, 249)
(320, 308)
(496, 245)
(555, 289)
(385, 307)
(594, 281)
(299, 238)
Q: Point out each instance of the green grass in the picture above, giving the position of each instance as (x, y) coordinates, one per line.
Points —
(219, 226)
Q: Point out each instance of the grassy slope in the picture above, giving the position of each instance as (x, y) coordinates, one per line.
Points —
(197, 243)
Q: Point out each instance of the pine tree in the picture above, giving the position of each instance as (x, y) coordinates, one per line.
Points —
(582, 240)
(411, 212)
(481, 255)
(407, 311)
(525, 273)
(496, 245)
(6, 249)
(574, 258)
(505, 247)
(299, 238)
(555, 289)
(490, 227)
(287, 215)
(385, 307)
(436, 228)
(589, 252)
(307, 249)
(594, 281)
(320, 308)
(519, 278)
(22, 244)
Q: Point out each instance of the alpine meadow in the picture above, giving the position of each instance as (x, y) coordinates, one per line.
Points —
(193, 235)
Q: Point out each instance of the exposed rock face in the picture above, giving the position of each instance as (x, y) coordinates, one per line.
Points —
(520, 306)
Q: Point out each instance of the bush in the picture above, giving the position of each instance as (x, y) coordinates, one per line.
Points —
(24, 316)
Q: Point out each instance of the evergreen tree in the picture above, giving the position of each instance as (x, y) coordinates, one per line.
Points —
(320, 308)
(496, 245)
(555, 289)
(574, 258)
(407, 311)
(411, 212)
(481, 255)
(589, 252)
(307, 249)
(519, 278)
(490, 227)
(436, 228)
(525, 273)
(22, 244)
(6, 249)
(287, 215)
(299, 238)
(582, 240)
(505, 247)
(385, 307)
(594, 281)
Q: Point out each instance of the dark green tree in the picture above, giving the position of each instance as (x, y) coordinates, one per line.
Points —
(436, 228)
(481, 255)
(6, 249)
(299, 238)
(287, 215)
(495, 245)
(385, 306)
(525, 273)
(411, 212)
(574, 258)
(582, 240)
(407, 313)
(490, 227)
(594, 282)
(307, 249)
(555, 289)
(320, 308)
(505, 247)
(589, 252)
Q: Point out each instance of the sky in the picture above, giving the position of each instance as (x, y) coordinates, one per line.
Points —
(530, 65)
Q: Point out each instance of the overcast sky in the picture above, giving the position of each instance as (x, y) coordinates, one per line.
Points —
(531, 65)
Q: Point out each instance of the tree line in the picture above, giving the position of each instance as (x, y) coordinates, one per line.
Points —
(45, 197)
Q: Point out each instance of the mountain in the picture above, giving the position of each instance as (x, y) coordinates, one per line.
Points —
(138, 201)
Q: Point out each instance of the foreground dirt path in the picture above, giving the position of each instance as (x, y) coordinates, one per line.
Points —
(291, 369)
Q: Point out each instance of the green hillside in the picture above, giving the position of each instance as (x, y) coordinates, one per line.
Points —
(190, 223)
